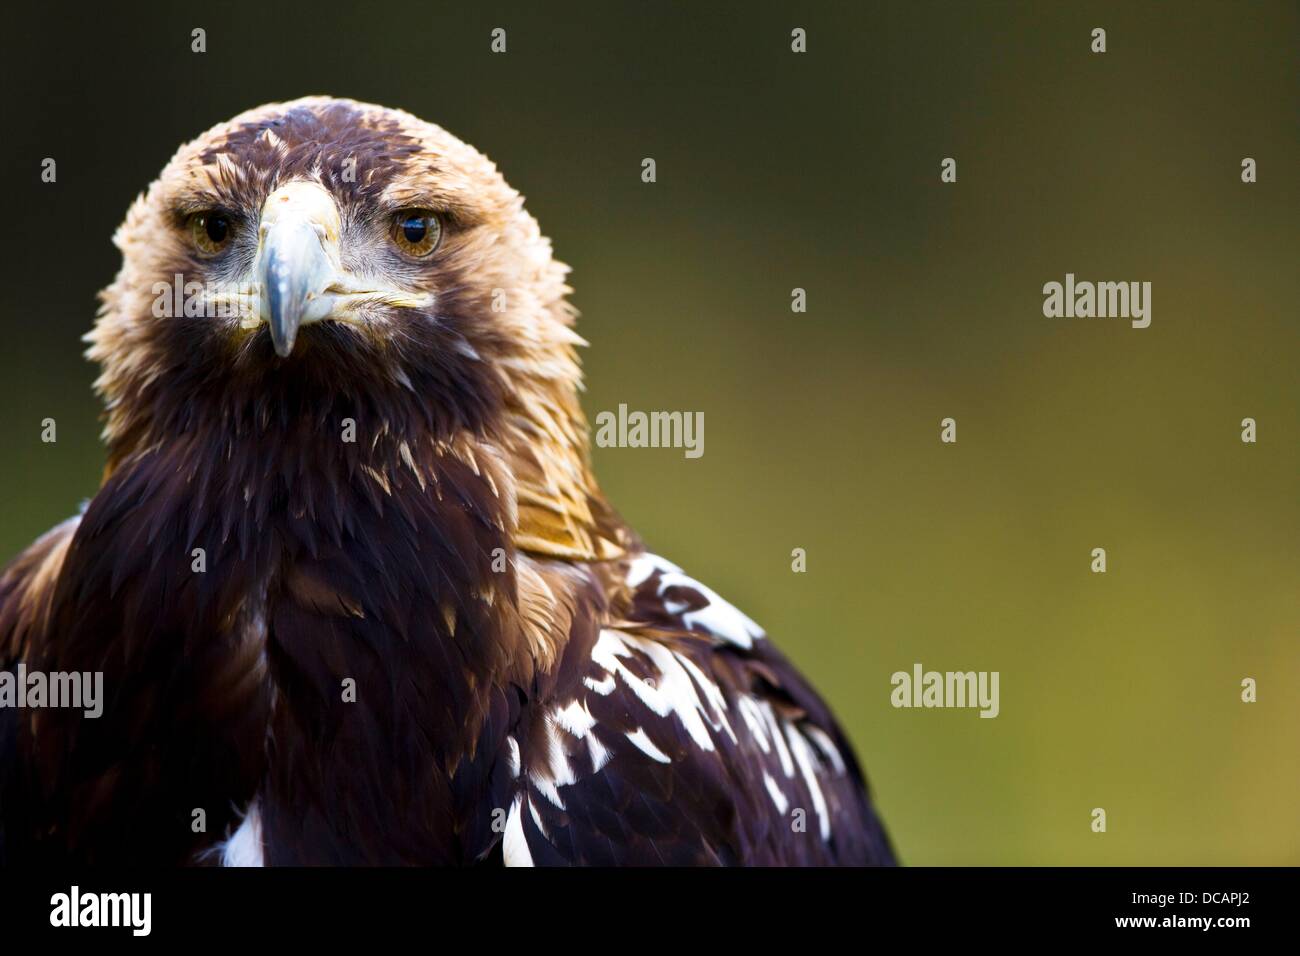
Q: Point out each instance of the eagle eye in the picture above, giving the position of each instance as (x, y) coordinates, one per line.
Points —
(210, 231)
(416, 231)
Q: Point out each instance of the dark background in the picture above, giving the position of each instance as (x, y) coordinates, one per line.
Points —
(821, 171)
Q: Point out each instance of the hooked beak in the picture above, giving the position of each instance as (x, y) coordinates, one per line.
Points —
(298, 259)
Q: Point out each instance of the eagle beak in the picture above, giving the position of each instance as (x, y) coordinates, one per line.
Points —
(298, 259)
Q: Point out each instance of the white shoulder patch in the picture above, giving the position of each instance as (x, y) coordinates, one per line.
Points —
(244, 848)
(719, 617)
(514, 845)
(673, 690)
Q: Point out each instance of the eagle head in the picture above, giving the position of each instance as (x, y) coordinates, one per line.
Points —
(323, 259)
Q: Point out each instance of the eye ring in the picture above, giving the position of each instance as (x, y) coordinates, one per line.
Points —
(417, 232)
(210, 230)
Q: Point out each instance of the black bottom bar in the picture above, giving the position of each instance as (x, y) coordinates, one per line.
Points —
(1219, 906)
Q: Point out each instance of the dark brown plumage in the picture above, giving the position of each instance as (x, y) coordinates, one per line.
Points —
(530, 685)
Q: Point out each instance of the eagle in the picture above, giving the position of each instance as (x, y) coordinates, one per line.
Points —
(354, 593)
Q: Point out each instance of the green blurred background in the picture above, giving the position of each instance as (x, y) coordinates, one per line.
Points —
(821, 171)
